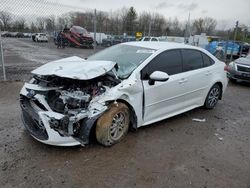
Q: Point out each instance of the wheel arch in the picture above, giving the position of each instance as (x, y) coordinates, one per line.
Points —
(133, 117)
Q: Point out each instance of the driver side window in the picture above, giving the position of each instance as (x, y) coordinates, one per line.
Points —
(169, 62)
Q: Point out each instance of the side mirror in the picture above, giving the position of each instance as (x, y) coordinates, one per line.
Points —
(158, 76)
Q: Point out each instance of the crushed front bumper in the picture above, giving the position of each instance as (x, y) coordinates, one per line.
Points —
(38, 117)
(38, 125)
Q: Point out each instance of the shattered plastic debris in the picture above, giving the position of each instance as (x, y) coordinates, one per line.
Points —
(218, 136)
(199, 120)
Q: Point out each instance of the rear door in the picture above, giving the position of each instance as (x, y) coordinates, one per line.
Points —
(164, 98)
(196, 66)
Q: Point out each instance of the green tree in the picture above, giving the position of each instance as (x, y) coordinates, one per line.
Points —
(130, 23)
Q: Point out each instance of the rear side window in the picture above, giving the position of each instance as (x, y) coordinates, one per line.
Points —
(207, 61)
(146, 39)
(192, 60)
(154, 39)
(168, 61)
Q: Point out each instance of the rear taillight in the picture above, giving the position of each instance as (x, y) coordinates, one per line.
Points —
(225, 68)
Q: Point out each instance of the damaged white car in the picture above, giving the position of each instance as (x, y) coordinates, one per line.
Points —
(126, 86)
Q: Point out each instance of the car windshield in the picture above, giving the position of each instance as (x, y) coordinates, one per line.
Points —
(127, 57)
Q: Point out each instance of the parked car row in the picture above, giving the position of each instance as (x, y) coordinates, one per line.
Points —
(15, 34)
(36, 37)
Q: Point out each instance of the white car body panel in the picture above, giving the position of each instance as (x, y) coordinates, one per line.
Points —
(161, 100)
(182, 92)
(54, 137)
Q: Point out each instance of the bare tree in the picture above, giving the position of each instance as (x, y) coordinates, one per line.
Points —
(144, 22)
(6, 18)
(204, 25)
(50, 23)
(158, 25)
(19, 25)
(120, 19)
(40, 21)
(112, 22)
(33, 28)
(177, 28)
(63, 21)
(101, 18)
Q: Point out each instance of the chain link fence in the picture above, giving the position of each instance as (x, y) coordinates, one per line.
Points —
(22, 51)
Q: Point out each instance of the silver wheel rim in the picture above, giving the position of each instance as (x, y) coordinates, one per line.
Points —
(118, 125)
(213, 97)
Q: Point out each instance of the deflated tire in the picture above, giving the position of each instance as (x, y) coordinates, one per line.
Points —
(113, 125)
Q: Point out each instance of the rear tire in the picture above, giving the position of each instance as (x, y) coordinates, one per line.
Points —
(113, 125)
(213, 97)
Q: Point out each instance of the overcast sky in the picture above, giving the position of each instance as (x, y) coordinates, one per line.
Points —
(226, 12)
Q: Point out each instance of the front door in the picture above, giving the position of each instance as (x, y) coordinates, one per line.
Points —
(164, 99)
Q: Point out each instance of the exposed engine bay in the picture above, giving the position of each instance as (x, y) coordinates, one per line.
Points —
(74, 95)
(68, 97)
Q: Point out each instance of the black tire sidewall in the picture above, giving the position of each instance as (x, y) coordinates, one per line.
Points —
(206, 102)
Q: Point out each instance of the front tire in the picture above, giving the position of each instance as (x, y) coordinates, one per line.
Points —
(213, 97)
(113, 125)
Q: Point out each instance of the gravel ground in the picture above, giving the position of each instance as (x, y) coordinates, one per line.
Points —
(176, 152)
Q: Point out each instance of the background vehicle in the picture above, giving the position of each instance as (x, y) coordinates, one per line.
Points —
(99, 37)
(77, 36)
(244, 49)
(117, 39)
(112, 40)
(150, 39)
(27, 35)
(12, 34)
(239, 69)
(128, 85)
(40, 37)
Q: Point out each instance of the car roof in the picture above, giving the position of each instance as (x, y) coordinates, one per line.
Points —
(160, 45)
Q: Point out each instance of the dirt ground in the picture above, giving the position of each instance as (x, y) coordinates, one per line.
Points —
(176, 152)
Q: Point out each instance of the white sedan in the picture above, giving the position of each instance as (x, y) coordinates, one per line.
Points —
(41, 37)
(125, 86)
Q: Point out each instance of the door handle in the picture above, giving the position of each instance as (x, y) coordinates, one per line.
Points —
(183, 80)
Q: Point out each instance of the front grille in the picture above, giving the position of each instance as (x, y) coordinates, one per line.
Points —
(31, 120)
(243, 68)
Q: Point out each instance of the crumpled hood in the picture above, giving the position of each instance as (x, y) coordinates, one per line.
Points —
(243, 61)
(75, 68)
